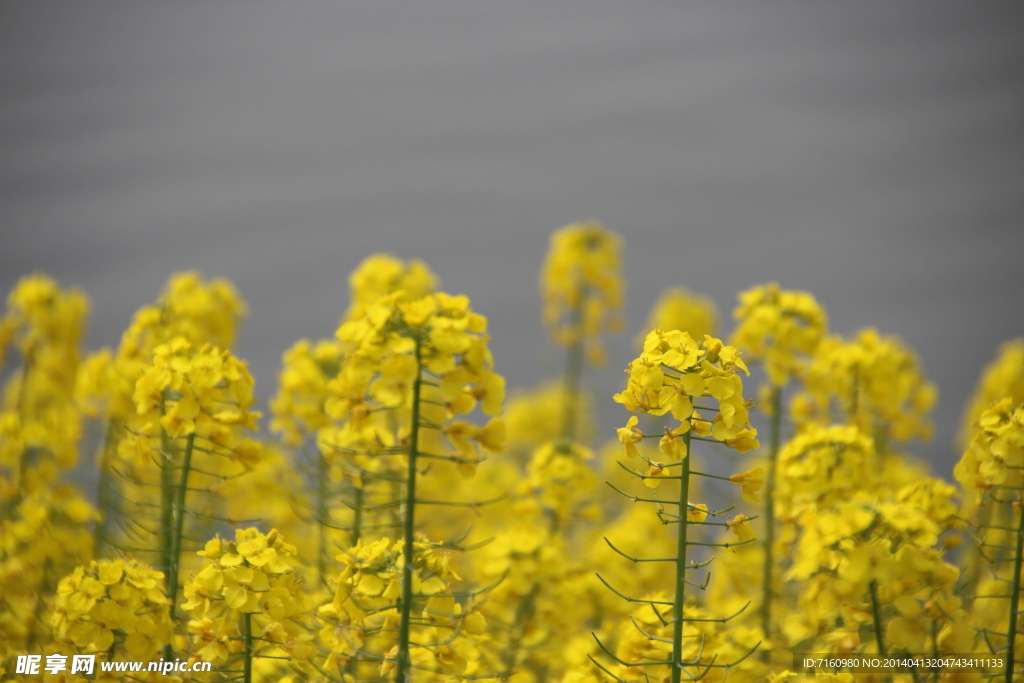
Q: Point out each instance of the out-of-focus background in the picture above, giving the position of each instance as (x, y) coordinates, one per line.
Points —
(870, 152)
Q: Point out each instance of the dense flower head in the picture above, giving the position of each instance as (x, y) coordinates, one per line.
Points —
(360, 624)
(40, 314)
(680, 309)
(38, 415)
(822, 465)
(203, 312)
(385, 353)
(113, 602)
(777, 327)
(185, 391)
(253, 574)
(43, 524)
(874, 382)
(995, 455)
(582, 286)
(535, 416)
(871, 557)
(200, 312)
(244, 573)
(43, 535)
(1002, 378)
(306, 369)
(558, 473)
(674, 371)
(381, 274)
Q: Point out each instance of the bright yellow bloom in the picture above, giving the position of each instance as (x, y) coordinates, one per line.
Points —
(680, 309)
(672, 373)
(382, 274)
(1002, 378)
(672, 444)
(582, 286)
(655, 470)
(696, 513)
(740, 526)
(629, 436)
(875, 382)
(778, 326)
(996, 450)
(750, 482)
(744, 441)
(113, 603)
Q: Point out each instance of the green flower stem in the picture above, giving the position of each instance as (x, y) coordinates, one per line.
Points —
(357, 520)
(404, 663)
(179, 525)
(524, 613)
(247, 635)
(44, 589)
(1011, 631)
(769, 514)
(19, 482)
(681, 547)
(321, 513)
(526, 609)
(876, 616)
(573, 373)
(972, 573)
(166, 500)
(103, 486)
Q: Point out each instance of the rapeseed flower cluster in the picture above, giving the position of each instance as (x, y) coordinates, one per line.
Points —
(671, 638)
(680, 309)
(729, 534)
(581, 289)
(115, 607)
(44, 523)
(246, 604)
(779, 327)
(874, 382)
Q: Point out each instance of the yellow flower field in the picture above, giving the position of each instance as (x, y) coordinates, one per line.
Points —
(410, 513)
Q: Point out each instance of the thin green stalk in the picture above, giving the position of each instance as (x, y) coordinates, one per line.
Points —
(356, 533)
(876, 615)
(524, 612)
(567, 433)
(973, 560)
(357, 520)
(247, 635)
(166, 518)
(166, 500)
(357, 524)
(769, 514)
(404, 663)
(573, 373)
(103, 499)
(42, 590)
(1011, 631)
(681, 547)
(179, 525)
(23, 458)
(872, 588)
(321, 513)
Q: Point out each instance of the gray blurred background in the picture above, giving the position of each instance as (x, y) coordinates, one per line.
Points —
(870, 152)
